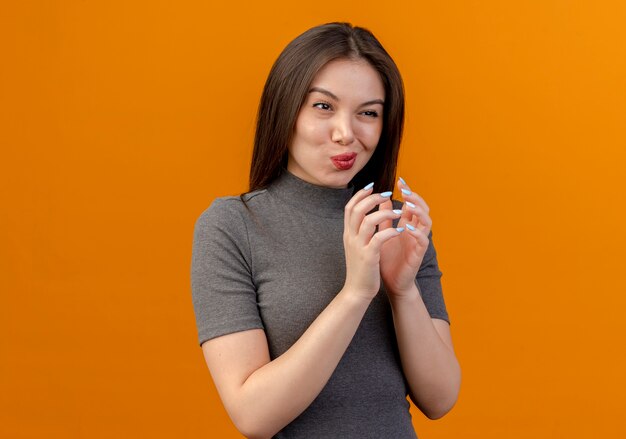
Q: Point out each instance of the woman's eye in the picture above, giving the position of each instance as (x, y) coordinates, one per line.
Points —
(371, 113)
(322, 105)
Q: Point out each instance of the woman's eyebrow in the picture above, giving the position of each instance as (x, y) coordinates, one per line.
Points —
(375, 101)
(324, 92)
(333, 96)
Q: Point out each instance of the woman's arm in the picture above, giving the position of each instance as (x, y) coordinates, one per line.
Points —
(263, 396)
(428, 360)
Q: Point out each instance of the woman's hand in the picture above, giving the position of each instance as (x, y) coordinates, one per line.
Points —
(400, 259)
(362, 245)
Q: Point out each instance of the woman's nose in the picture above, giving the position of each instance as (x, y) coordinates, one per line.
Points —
(342, 130)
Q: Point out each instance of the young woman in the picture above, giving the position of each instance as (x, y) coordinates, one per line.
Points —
(317, 298)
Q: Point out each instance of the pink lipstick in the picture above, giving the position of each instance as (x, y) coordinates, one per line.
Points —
(343, 162)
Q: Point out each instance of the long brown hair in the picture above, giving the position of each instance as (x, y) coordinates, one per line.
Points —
(288, 84)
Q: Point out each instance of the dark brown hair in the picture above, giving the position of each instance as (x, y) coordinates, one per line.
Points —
(288, 84)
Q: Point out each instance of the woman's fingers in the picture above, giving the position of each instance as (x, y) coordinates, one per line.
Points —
(387, 205)
(356, 212)
(418, 216)
(368, 226)
(420, 234)
(356, 198)
(383, 236)
(362, 223)
(417, 211)
(409, 195)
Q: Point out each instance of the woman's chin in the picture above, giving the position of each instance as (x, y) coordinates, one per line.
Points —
(339, 180)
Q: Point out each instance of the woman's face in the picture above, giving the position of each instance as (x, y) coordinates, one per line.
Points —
(339, 125)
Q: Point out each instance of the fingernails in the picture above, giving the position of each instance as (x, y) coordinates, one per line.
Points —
(405, 191)
(411, 205)
(397, 211)
(402, 181)
(410, 227)
(386, 194)
(399, 229)
(368, 187)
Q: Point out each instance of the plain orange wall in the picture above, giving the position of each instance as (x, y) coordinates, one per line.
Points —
(120, 121)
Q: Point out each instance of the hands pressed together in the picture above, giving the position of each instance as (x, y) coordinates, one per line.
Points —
(374, 249)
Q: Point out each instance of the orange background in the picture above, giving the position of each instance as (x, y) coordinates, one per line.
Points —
(120, 121)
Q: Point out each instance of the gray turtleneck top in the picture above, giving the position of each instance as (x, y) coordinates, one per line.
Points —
(275, 263)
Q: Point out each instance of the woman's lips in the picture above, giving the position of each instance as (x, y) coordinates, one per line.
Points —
(344, 162)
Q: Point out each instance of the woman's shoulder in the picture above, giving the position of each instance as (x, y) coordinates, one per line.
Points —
(230, 210)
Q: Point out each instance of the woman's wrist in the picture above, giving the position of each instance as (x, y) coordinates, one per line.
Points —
(354, 297)
(401, 296)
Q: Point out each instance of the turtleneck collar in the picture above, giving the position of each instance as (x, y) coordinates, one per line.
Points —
(318, 200)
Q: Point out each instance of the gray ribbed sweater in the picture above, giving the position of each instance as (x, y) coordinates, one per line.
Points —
(276, 265)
